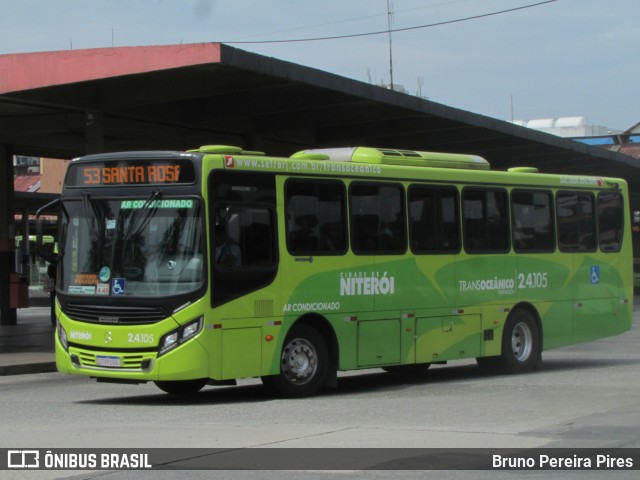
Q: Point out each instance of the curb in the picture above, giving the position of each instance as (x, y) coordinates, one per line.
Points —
(27, 368)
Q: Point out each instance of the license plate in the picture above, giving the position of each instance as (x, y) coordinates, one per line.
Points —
(107, 361)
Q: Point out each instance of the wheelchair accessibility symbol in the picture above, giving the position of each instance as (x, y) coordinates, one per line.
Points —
(117, 286)
(595, 274)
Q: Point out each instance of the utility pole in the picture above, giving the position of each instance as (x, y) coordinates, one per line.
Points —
(389, 22)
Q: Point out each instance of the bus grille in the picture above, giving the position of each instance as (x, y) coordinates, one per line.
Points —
(106, 314)
(88, 359)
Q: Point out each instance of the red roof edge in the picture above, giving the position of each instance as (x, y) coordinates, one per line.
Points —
(26, 71)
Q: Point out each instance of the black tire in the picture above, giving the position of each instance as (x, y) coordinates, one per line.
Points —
(413, 370)
(304, 363)
(182, 387)
(521, 346)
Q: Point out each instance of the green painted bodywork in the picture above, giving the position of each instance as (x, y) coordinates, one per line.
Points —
(382, 310)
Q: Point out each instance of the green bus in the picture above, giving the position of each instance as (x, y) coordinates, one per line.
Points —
(635, 235)
(203, 267)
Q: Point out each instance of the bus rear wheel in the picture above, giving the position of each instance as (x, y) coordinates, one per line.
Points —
(182, 387)
(521, 346)
(304, 363)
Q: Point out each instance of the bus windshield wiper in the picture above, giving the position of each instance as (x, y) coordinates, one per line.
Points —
(138, 220)
(138, 224)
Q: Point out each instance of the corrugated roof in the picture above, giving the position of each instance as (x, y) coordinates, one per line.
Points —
(26, 183)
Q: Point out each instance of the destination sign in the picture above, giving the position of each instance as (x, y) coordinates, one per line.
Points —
(133, 172)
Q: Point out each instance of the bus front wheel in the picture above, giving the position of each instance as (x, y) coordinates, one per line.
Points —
(521, 346)
(304, 364)
(182, 387)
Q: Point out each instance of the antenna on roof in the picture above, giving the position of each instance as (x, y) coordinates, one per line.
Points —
(389, 22)
(511, 108)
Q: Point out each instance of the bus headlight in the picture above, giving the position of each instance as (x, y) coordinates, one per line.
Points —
(180, 335)
(62, 336)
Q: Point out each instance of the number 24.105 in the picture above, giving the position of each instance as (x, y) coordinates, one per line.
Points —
(141, 338)
(533, 280)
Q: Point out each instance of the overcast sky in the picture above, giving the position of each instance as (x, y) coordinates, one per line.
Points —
(559, 59)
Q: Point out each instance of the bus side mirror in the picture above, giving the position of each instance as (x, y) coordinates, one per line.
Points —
(47, 254)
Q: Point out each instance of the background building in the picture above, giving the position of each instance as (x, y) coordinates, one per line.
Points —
(567, 127)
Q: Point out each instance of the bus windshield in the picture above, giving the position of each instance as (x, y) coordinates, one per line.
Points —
(135, 247)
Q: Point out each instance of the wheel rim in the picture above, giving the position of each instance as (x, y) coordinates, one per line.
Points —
(299, 361)
(521, 341)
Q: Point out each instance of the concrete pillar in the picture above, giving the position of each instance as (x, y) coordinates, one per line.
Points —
(7, 235)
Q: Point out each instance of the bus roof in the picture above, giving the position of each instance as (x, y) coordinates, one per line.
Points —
(385, 156)
(365, 161)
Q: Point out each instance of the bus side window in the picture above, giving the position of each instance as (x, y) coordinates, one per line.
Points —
(576, 222)
(532, 218)
(434, 219)
(364, 237)
(610, 221)
(315, 217)
(378, 224)
(304, 237)
(486, 220)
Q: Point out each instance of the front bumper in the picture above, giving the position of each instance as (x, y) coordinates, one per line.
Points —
(185, 362)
